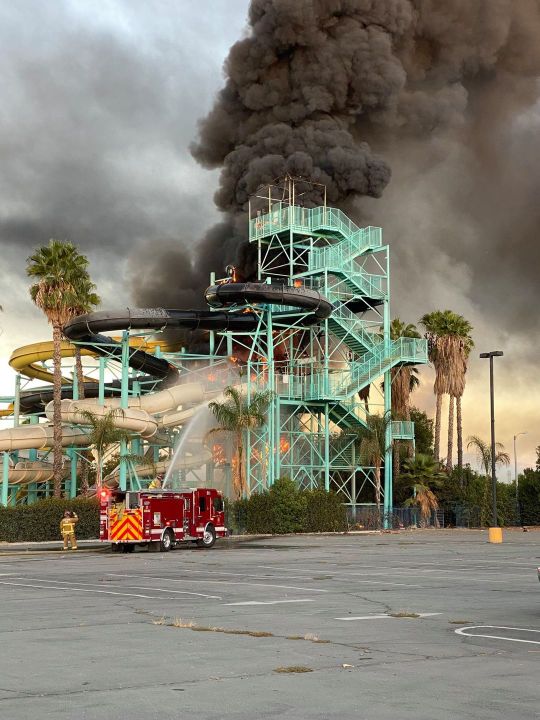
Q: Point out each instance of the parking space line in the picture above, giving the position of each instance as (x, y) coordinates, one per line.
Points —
(128, 587)
(270, 602)
(74, 589)
(386, 616)
(417, 573)
(220, 582)
(462, 631)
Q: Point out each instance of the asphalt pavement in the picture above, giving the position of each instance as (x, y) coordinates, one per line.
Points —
(425, 625)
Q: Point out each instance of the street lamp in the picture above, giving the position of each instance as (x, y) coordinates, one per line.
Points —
(491, 355)
(516, 472)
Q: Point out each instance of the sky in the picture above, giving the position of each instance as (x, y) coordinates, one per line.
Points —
(100, 103)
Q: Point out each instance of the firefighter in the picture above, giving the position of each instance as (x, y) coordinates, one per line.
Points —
(156, 483)
(67, 529)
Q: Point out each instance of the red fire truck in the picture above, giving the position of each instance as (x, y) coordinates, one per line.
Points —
(161, 518)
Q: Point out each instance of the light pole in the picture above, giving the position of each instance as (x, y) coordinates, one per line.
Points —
(516, 473)
(491, 355)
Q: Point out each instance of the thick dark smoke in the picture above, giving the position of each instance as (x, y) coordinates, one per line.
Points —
(342, 90)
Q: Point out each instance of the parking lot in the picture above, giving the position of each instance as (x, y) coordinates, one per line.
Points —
(433, 624)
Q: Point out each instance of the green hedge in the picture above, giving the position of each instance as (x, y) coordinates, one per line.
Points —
(41, 521)
(286, 509)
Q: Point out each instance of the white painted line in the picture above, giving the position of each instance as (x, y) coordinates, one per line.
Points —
(340, 574)
(269, 602)
(259, 577)
(462, 631)
(72, 589)
(221, 582)
(386, 616)
(128, 587)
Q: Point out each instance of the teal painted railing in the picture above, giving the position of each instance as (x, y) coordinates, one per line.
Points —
(311, 220)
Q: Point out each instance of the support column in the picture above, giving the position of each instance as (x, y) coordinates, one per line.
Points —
(5, 479)
(101, 389)
(388, 489)
(72, 453)
(124, 396)
(32, 456)
(326, 448)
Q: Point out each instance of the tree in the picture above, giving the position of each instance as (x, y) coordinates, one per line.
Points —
(104, 432)
(404, 382)
(449, 346)
(422, 474)
(58, 268)
(373, 447)
(483, 451)
(236, 414)
(423, 431)
(404, 377)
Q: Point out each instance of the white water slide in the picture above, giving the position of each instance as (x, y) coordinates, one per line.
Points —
(144, 416)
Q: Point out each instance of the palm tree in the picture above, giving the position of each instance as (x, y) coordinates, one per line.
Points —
(402, 376)
(422, 474)
(422, 469)
(58, 268)
(449, 345)
(483, 451)
(236, 414)
(373, 448)
(363, 394)
(104, 432)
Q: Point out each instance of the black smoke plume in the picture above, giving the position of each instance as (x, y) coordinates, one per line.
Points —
(340, 90)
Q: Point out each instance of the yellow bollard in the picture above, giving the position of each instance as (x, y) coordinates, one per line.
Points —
(495, 535)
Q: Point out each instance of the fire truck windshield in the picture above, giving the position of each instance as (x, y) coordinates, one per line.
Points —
(132, 500)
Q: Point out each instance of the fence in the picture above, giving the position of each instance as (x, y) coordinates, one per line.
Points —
(369, 517)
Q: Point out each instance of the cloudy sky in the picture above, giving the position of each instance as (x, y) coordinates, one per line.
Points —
(100, 103)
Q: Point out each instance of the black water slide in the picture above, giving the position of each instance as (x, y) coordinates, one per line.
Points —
(86, 329)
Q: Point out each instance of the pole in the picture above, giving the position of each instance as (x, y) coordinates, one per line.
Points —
(493, 471)
(5, 479)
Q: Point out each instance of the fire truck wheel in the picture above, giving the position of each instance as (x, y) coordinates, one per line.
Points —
(127, 547)
(167, 541)
(209, 537)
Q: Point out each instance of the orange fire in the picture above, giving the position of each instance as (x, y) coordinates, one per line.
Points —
(297, 283)
(218, 454)
(284, 445)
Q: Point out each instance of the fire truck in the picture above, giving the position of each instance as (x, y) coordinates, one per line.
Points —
(159, 519)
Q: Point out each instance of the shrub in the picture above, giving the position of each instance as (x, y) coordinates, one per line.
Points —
(287, 509)
(259, 514)
(41, 521)
(236, 515)
(325, 512)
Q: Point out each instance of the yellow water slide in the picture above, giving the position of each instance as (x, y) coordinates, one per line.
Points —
(27, 359)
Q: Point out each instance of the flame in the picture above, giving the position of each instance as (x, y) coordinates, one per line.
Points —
(297, 283)
(218, 454)
(284, 445)
(212, 377)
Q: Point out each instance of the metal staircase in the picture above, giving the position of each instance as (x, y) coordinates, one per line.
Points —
(323, 249)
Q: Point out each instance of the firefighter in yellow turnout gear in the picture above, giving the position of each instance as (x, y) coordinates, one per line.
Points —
(67, 529)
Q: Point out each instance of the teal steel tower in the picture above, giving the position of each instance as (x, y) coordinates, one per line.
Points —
(317, 373)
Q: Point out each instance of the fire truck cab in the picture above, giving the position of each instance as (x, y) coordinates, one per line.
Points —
(159, 519)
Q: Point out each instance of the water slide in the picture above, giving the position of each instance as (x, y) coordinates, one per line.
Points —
(140, 415)
(24, 360)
